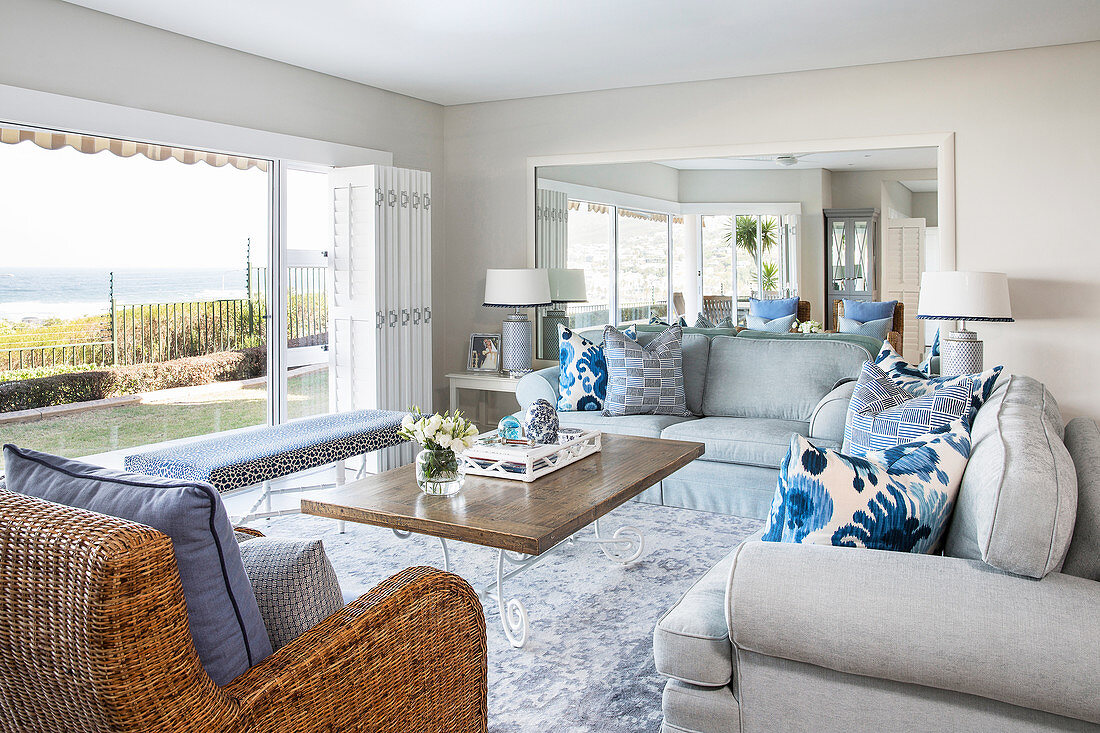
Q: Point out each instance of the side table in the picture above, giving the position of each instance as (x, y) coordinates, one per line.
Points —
(484, 381)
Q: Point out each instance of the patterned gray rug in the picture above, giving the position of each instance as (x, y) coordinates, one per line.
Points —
(588, 661)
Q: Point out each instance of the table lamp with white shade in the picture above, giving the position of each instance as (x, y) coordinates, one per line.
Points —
(526, 288)
(566, 286)
(963, 296)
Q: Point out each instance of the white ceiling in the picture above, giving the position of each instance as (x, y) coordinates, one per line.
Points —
(850, 160)
(929, 186)
(455, 52)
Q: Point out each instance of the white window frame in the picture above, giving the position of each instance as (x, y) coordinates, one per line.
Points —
(60, 113)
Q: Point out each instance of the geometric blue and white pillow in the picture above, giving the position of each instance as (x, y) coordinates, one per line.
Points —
(582, 372)
(774, 325)
(645, 380)
(916, 382)
(899, 499)
(882, 415)
(875, 329)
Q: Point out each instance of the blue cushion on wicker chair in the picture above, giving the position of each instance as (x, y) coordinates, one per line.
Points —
(225, 622)
(875, 329)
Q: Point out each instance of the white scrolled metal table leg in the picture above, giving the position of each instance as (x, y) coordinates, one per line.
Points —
(513, 616)
(625, 546)
(446, 555)
(405, 534)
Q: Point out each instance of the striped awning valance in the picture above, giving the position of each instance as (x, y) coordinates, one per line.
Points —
(125, 148)
(575, 205)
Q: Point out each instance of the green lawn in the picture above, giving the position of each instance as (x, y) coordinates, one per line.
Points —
(128, 426)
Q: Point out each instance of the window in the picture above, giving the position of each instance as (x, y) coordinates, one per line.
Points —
(152, 268)
(642, 264)
(642, 271)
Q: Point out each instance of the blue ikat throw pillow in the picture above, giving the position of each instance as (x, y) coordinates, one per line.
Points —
(917, 383)
(582, 372)
(899, 499)
(882, 414)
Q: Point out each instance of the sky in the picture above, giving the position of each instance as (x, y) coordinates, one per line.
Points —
(64, 208)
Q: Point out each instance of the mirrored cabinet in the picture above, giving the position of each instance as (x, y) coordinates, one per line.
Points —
(850, 246)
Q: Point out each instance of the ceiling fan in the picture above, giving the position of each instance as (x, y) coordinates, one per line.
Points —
(786, 160)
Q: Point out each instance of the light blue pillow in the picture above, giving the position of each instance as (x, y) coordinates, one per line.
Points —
(917, 383)
(882, 415)
(772, 309)
(222, 612)
(926, 365)
(775, 325)
(582, 372)
(899, 499)
(863, 311)
(875, 329)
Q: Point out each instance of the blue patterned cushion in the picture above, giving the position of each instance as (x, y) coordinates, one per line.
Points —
(772, 309)
(776, 325)
(899, 499)
(875, 329)
(702, 321)
(882, 415)
(645, 380)
(926, 365)
(251, 455)
(917, 383)
(865, 310)
(582, 372)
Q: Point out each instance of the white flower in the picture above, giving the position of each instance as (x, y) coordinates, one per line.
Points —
(432, 426)
(407, 422)
(445, 442)
(471, 432)
(447, 427)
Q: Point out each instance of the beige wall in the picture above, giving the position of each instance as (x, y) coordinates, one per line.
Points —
(925, 207)
(52, 46)
(1025, 141)
(641, 179)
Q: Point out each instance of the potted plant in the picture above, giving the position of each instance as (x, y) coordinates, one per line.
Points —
(437, 469)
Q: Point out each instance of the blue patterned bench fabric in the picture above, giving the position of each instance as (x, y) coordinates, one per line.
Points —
(263, 453)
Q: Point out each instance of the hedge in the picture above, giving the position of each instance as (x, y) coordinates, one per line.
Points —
(63, 389)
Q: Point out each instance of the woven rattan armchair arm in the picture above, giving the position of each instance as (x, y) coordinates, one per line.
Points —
(409, 655)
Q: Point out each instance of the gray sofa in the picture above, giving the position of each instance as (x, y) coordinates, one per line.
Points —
(1000, 633)
(748, 395)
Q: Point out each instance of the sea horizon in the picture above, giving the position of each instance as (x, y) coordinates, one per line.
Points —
(74, 292)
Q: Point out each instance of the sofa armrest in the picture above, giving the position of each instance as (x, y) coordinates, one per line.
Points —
(542, 384)
(929, 620)
(411, 650)
(827, 419)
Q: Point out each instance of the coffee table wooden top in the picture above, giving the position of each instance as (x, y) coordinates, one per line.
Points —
(511, 515)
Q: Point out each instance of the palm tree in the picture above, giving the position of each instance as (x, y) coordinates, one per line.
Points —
(746, 235)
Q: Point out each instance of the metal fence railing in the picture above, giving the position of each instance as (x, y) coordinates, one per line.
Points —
(589, 315)
(144, 333)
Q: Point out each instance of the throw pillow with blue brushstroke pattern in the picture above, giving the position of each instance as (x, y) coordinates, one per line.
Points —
(582, 372)
(898, 499)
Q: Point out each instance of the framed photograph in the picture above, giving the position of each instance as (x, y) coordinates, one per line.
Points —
(484, 353)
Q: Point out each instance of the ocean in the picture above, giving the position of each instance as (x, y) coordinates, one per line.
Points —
(40, 292)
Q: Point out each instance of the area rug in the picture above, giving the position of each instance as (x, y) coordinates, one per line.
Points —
(588, 661)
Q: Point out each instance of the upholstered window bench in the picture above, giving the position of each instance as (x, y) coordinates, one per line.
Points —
(253, 457)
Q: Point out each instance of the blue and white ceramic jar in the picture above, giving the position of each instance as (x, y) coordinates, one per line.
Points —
(541, 422)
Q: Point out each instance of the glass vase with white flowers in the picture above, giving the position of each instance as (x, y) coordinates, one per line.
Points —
(440, 436)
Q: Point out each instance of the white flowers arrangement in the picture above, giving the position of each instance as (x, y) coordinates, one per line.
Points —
(809, 327)
(439, 432)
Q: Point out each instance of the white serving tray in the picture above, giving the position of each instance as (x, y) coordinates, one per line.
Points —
(523, 463)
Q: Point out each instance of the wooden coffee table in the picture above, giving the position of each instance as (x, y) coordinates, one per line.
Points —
(523, 521)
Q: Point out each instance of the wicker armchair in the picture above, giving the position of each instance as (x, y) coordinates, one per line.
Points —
(94, 637)
(897, 328)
